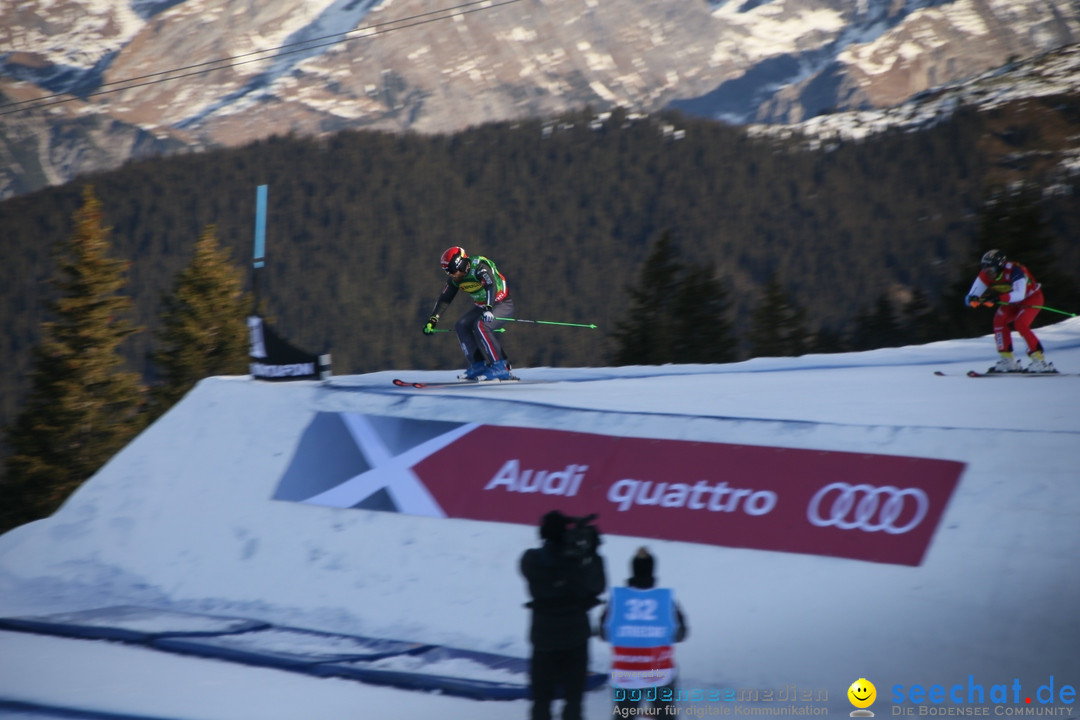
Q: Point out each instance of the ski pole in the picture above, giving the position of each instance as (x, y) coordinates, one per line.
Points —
(1043, 307)
(449, 330)
(547, 322)
(1050, 309)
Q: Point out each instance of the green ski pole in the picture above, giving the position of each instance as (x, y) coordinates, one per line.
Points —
(1050, 309)
(548, 322)
(1043, 307)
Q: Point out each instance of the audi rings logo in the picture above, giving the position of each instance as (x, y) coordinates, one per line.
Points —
(869, 508)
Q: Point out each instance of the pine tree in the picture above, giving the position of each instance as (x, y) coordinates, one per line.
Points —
(703, 333)
(82, 407)
(646, 333)
(677, 314)
(1013, 221)
(877, 328)
(204, 329)
(919, 321)
(777, 326)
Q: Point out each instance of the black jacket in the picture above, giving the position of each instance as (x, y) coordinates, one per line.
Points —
(563, 590)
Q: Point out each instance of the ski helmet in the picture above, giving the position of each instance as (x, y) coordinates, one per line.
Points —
(454, 259)
(994, 261)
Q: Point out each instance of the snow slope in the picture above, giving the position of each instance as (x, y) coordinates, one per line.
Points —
(182, 519)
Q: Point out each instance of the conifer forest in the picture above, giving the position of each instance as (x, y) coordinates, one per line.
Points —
(682, 240)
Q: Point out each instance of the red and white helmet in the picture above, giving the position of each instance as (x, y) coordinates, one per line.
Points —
(454, 259)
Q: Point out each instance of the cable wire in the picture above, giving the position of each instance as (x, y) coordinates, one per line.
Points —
(209, 66)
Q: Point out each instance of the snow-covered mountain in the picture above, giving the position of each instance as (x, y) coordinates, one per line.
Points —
(157, 76)
(1036, 85)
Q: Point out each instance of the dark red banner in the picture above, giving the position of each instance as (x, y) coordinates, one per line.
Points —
(880, 508)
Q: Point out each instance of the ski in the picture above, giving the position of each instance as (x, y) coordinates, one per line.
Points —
(451, 383)
(977, 374)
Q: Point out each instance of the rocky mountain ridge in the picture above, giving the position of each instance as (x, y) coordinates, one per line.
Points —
(1043, 90)
(86, 86)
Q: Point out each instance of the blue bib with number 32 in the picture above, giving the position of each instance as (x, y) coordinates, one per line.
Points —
(641, 618)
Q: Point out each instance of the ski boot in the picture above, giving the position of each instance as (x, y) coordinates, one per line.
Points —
(1039, 364)
(474, 371)
(499, 370)
(1007, 364)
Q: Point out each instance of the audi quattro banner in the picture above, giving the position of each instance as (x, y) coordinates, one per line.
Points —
(880, 508)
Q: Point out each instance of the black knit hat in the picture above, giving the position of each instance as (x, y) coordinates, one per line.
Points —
(553, 527)
(642, 570)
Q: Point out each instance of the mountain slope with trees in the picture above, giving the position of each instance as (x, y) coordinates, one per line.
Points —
(83, 405)
(570, 209)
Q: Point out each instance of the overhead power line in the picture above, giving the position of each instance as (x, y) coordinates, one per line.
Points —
(209, 66)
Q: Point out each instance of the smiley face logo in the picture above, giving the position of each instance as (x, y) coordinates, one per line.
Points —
(862, 693)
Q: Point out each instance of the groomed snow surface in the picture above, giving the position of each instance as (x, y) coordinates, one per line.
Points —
(182, 520)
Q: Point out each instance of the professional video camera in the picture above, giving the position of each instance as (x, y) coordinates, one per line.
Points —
(582, 538)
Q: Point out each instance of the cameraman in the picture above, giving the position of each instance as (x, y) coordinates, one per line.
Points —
(566, 577)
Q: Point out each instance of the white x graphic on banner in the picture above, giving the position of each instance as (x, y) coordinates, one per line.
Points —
(392, 473)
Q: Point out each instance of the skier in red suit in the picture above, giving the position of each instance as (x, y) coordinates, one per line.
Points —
(1018, 296)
